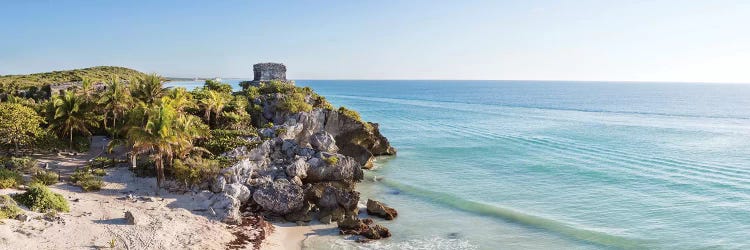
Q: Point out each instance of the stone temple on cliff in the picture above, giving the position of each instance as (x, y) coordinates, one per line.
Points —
(265, 72)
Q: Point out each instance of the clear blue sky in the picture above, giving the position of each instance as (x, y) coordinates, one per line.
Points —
(704, 41)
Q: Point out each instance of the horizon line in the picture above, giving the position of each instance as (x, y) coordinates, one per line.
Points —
(505, 80)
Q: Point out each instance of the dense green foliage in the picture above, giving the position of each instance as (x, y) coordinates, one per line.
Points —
(8, 207)
(165, 130)
(19, 125)
(20, 164)
(39, 198)
(195, 170)
(294, 103)
(10, 178)
(99, 73)
(222, 141)
(73, 114)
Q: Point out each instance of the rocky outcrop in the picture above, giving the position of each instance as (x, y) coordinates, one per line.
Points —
(280, 197)
(307, 166)
(351, 225)
(319, 127)
(381, 210)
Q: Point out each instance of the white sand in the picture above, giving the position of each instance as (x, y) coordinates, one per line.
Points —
(170, 221)
(289, 236)
(98, 217)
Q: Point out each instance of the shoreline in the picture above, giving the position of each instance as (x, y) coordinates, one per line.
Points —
(288, 236)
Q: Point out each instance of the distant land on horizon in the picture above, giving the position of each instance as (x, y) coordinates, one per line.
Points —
(98, 72)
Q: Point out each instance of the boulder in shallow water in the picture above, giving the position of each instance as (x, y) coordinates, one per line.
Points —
(381, 210)
(366, 228)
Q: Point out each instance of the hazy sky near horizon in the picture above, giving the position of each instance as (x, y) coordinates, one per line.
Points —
(694, 41)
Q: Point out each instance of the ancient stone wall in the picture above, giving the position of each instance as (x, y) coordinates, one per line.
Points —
(269, 71)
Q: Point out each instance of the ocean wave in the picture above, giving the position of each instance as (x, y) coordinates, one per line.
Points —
(427, 243)
(558, 227)
(661, 114)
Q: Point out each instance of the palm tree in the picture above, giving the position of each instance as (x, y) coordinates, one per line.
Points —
(181, 99)
(148, 89)
(158, 138)
(115, 100)
(72, 114)
(188, 128)
(87, 88)
(213, 102)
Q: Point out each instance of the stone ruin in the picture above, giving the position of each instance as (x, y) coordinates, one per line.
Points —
(265, 72)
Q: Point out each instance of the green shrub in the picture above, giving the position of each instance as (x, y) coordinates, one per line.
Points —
(45, 177)
(39, 198)
(354, 115)
(222, 141)
(102, 162)
(99, 172)
(251, 92)
(332, 160)
(195, 170)
(10, 178)
(321, 102)
(275, 87)
(217, 86)
(294, 103)
(21, 164)
(8, 207)
(86, 180)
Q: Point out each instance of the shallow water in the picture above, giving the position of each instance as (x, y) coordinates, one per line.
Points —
(540, 165)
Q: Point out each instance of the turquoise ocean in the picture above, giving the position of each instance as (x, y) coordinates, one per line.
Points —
(555, 165)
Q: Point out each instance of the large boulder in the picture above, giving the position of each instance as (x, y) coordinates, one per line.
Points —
(381, 210)
(280, 197)
(343, 168)
(323, 141)
(226, 208)
(333, 195)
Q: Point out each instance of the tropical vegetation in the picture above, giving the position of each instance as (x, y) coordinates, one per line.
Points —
(170, 133)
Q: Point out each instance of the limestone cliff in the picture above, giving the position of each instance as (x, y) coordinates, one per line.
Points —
(307, 165)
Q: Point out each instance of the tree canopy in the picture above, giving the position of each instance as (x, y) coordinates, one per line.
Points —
(19, 125)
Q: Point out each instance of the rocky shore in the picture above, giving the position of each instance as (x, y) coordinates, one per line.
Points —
(305, 168)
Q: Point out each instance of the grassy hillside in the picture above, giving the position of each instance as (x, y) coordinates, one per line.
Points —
(99, 73)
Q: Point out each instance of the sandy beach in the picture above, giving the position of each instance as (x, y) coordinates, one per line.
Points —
(168, 221)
